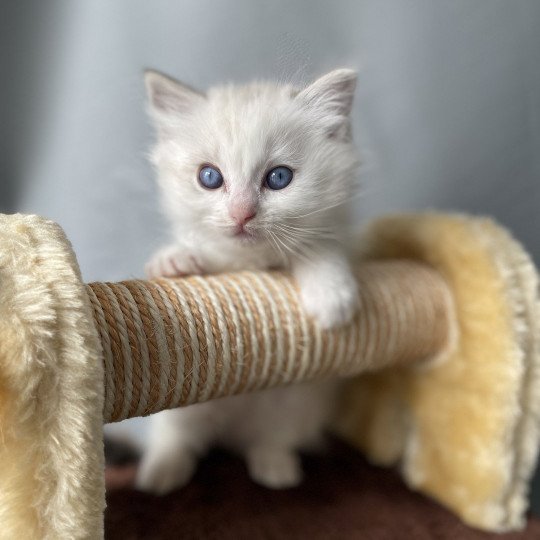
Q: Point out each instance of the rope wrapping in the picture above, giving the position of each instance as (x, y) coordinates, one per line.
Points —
(173, 342)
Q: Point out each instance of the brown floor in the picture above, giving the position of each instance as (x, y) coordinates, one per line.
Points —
(342, 498)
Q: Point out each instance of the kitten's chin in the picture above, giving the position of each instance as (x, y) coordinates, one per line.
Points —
(245, 237)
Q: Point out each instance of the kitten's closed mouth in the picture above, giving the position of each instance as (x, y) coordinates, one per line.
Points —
(244, 236)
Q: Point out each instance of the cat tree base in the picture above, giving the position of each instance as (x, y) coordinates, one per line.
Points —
(445, 346)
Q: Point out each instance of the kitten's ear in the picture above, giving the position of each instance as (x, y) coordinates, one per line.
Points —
(330, 98)
(168, 97)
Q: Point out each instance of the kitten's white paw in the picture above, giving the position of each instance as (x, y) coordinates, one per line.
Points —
(161, 474)
(274, 468)
(331, 303)
(172, 262)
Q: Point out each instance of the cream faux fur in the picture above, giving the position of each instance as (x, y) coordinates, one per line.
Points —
(466, 431)
(51, 389)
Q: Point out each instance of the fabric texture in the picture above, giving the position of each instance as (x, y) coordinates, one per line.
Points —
(51, 389)
(466, 430)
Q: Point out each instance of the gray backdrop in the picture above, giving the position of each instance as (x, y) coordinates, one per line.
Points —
(447, 114)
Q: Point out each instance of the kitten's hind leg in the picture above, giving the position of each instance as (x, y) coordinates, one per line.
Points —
(177, 438)
(275, 468)
(162, 471)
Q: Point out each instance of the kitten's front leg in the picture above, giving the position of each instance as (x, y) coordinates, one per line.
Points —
(174, 261)
(328, 288)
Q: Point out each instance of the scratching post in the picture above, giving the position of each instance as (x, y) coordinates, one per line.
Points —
(443, 360)
(169, 343)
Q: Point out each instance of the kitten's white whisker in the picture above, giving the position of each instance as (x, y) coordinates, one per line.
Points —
(337, 204)
(306, 230)
(280, 252)
(296, 248)
(307, 235)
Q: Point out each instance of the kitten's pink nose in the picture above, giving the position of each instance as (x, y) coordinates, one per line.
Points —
(242, 214)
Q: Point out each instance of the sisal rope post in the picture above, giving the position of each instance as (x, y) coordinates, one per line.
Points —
(173, 342)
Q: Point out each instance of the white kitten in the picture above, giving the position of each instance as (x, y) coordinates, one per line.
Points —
(254, 177)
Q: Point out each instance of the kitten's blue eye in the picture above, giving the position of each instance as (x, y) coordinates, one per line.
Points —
(210, 178)
(279, 177)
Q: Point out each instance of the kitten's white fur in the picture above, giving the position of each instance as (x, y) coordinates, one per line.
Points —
(245, 131)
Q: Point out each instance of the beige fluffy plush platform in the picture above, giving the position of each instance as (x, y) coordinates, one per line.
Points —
(445, 349)
(466, 431)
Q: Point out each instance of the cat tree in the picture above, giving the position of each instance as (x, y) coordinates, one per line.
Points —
(442, 361)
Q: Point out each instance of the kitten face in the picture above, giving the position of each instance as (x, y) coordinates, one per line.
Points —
(225, 158)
